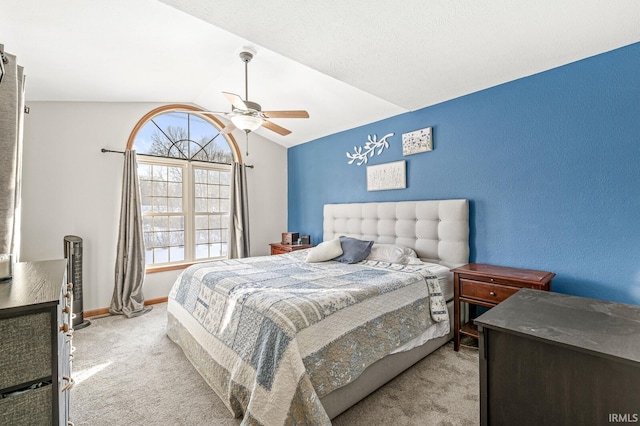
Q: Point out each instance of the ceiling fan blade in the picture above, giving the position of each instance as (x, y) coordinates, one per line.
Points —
(286, 114)
(228, 129)
(235, 100)
(275, 128)
(225, 114)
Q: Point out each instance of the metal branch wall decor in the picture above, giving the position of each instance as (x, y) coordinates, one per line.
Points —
(361, 154)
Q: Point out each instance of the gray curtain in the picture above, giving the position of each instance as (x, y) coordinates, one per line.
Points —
(11, 123)
(239, 213)
(130, 263)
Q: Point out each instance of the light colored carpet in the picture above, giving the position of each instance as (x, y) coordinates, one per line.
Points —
(128, 372)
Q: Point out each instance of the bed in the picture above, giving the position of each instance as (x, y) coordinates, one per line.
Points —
(283, 341)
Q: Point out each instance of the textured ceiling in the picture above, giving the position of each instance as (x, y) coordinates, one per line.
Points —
(347, 63)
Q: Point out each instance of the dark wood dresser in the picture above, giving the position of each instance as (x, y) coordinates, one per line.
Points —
(35, 347)
(554, 359)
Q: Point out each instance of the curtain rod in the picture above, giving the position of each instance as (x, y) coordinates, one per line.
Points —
(161, 156)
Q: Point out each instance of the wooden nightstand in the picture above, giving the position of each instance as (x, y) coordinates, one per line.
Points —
(488, 285)
(279, 248)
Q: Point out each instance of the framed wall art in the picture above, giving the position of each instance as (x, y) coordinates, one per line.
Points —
(387, 176)
(417, 141)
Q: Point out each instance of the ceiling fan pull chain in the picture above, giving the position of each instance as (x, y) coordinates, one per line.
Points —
(246, 133)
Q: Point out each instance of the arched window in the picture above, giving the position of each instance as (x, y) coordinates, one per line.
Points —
(184, 168)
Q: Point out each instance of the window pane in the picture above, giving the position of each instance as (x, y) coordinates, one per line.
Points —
(175, 205)
(202, 251)
(159, 172)
(175, 174)
(176, 238)
(214, 222)
(176, 223)
(160, 239)
(201, 222)
(213, 205)
(225, 192)
(145, 188)
(215, 235)
(201, 205)
(175, 189)
(225, 178)
(161, 223)
(159, 189)
(160, 255)
(201, 190)
(159, 205)
(224, 206)
(144, 171)
(147, 204)
(215, 250)
(148, 256)
(213, 191)
(148, 239)
(202, 237)
(176, 254)
(200, 176)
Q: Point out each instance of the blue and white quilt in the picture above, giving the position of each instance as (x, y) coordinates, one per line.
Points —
(273, 334)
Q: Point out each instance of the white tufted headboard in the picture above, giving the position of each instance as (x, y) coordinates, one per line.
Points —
(438, 230)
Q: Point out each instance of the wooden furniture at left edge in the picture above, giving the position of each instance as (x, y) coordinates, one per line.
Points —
(36, 344)
(488, 285)
(279, 248)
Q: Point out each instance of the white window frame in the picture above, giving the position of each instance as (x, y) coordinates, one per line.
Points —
(188, 197)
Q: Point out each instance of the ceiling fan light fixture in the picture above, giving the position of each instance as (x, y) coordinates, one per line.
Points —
(248, 123)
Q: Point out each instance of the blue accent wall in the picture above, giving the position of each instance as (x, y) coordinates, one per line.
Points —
(550, 164)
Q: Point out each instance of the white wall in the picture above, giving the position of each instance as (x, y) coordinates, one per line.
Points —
(71, 188)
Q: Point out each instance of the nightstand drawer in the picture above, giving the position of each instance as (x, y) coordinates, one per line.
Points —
(277, 250)
(492, 293)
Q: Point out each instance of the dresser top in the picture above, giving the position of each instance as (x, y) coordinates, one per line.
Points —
(33, 283)
(596, 326)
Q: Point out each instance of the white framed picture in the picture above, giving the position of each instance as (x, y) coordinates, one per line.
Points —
(417, 141)
(387, 176)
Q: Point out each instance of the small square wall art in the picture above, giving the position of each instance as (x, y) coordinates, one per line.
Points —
(417, 141)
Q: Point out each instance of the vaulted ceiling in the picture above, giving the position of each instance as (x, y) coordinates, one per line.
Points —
(348, 63)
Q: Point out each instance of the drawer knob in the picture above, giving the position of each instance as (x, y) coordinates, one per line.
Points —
(492, 280)
(66, 329)
(493, 293)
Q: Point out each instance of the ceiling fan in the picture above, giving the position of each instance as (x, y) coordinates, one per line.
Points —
(247, 115)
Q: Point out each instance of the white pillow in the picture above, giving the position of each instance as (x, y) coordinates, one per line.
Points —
(393, 253)
(324, 251)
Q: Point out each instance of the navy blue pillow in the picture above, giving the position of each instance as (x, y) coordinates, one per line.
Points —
(353, 250)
